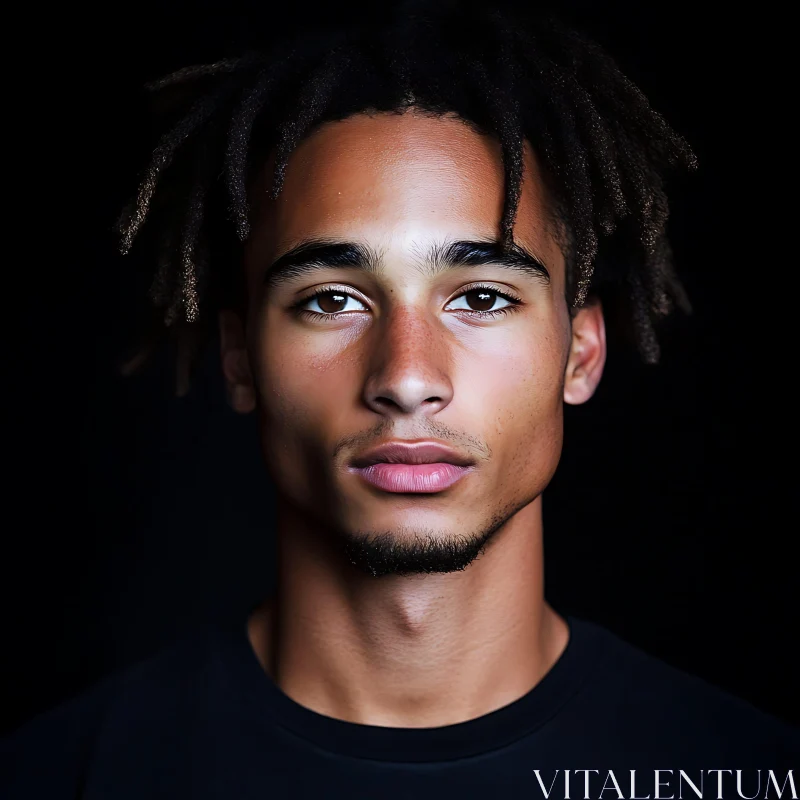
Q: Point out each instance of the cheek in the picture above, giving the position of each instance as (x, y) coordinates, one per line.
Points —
(304, 381)
(303, 398)
(520, 401)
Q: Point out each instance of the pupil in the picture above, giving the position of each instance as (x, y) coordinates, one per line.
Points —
(484, 299)
(331, 298)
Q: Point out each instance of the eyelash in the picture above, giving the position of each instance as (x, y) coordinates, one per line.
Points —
(493, 313)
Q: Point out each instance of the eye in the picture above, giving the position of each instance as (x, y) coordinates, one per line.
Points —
(331, 301)
(483, 300)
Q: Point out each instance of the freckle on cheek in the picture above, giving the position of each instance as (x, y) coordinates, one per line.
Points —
(319, 363)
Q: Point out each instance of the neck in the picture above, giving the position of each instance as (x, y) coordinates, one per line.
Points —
(414, 651)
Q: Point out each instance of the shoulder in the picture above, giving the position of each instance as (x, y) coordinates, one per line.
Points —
(49, 755)
(655, 703)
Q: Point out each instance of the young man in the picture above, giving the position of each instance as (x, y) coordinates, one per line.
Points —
(430, 207)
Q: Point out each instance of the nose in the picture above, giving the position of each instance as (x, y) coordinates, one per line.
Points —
(408, 368)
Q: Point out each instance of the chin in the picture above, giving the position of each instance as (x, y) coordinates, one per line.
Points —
(416, 549)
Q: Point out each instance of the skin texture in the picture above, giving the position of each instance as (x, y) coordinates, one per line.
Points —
(407, 360)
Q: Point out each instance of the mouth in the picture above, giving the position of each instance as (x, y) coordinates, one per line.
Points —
(417, 478)
(405, 467)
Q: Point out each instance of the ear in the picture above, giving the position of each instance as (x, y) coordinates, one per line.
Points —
(587, 355)
(235, 363)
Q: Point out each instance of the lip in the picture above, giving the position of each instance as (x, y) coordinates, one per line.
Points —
(406, 467)
(412, 453)
(417, 478)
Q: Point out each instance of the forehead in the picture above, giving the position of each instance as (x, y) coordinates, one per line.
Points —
(401, 177)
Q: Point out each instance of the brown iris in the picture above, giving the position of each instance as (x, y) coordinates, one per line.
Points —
(480, 299)
(329, 300)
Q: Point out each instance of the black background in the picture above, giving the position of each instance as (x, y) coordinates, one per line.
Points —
(133, 516)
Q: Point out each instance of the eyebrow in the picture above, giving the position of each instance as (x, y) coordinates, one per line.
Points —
(311, 255)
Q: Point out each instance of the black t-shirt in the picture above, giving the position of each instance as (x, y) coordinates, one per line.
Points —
(203, 720)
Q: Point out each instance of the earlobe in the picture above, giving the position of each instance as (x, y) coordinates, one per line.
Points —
(587, 354)
(236, 363)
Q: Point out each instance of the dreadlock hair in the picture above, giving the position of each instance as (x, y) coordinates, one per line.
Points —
(603, 149)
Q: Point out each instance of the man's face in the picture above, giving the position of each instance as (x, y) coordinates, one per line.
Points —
(404, 352)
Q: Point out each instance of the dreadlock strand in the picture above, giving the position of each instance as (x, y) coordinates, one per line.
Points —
(187, 300)
(202, 110)
(237, 149)
(646, 340)
(628, 100)
(576, 184)
(310, 104)
(592, 143)
(599, 137)
(509, 132)
(186, 74)
(512, 123)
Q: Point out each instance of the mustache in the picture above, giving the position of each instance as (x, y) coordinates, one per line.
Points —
(429, 429)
